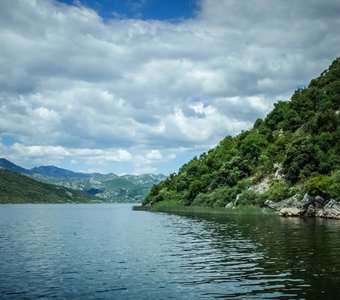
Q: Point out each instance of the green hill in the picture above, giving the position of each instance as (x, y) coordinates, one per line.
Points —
(17, 188)
(294, 150)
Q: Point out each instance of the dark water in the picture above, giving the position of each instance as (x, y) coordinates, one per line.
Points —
(111, 252)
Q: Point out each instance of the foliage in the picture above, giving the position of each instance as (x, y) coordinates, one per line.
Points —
(167, 204)
(17, 188)
(278, 191)
(319, 185)
(302, 135)
(247, 197)
(334, 188)
(219, 197)
(301, 159)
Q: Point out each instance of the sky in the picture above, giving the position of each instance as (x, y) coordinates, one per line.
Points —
(143, 86)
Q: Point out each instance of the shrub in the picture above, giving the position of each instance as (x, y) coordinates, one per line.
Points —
(278, 191)
(319, 185)
(248, 197)
(334, 189)
(301, 159)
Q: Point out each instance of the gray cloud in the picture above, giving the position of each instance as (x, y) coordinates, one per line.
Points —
(71, 80)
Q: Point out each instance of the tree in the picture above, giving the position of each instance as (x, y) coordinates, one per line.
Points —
(301, 158)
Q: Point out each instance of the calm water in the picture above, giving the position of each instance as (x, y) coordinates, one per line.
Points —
(111, 252)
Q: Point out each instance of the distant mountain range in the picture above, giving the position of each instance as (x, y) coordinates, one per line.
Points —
(108, 187)
(49, 171)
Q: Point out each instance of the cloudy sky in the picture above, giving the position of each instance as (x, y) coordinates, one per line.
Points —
(141, 86)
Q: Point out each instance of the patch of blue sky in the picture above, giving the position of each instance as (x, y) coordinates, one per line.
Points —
(300, 86)
(8, 139)
(181, 158)
(199, 101)
(120, 168)
(163, 10)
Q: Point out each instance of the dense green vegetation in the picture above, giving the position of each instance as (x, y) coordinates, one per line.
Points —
(294, 150)
(17, 188)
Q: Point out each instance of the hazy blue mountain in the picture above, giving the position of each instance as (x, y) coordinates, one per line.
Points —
(6, 164)
(53, 171)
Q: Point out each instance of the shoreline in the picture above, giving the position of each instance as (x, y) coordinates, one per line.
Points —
(199, 210)
(287, 212)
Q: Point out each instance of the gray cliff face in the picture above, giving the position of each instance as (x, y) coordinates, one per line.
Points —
(309, 206)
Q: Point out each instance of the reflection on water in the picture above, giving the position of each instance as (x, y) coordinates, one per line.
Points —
(109, 251)
(274, 256)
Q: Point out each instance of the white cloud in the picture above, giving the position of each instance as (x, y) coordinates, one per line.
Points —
(154, 155)
(37, 151)
(121, 155)
(73, 86)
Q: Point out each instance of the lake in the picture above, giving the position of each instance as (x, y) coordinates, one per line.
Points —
(109, 251)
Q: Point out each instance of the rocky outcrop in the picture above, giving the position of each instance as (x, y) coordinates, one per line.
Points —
(278, 171)
(330, 210)
(261, 187)
(309, 206)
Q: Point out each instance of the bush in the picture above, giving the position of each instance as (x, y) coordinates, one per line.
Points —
(301, 159)
(220, 197)
(201, 200)
(278, 191)
(248, 197)
(334, 189)
(167, 203)
(319, 185)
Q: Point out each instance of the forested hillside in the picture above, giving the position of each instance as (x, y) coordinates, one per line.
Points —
(17, 188)
(294, 150)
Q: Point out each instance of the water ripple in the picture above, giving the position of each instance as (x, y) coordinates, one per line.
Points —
(109, 251)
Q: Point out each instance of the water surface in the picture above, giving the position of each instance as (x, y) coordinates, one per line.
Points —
(109, 251)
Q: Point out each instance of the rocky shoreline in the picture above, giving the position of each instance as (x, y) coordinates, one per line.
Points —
(309, 206)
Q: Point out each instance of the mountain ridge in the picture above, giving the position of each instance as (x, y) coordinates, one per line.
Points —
(8, 165)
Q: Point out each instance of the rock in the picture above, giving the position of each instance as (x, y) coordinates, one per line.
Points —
(310, 211)
(238, 196)
(287, 203)
(270, 204)
(230, 205)
(308, 207)
(330, 210)
(278, 171)
(261, 187)
(332, 204)
(306, 201)
(319, 202)
(290, 212)
(277, 166)
(290, 202)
